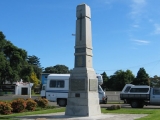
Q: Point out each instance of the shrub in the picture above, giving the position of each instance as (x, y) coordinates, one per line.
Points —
(114, 107)
(5, 108)
(31, 104)
(118, 106)
(18, 105)
(41, 102)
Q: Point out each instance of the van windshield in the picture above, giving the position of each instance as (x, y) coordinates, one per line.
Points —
(99, 88)
(127, 89)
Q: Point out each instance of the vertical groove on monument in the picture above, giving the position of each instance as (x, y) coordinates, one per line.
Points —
(83, 97)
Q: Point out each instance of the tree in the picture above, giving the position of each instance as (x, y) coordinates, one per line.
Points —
(16, 57)
(59, 69)
(34, 79)
(130, 77)
(9, 68)
(35, 62)
(119, 79)
(5, 69)
(142, 78)
(2, 41)
(155, 81)
(15, 65)
(105, 80)
(3, 60)
(26, 72)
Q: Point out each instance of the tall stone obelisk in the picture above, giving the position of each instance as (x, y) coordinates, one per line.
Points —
(83, 97)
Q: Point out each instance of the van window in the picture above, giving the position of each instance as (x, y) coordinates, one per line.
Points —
(156, 91)
(127, 89)
(56, 84)
(139, 90)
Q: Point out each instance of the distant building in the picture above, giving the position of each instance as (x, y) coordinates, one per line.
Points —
(17, 88)
(44, 77)
(23, 88)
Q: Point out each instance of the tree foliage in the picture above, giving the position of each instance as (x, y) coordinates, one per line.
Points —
(26, 73)
(34, 61)
(14, 58)
(155, 81)
(142, 78)
(5, 69)
(13, 62)
(34, 79)
(58, 69)
(119, 79)
(105, 80)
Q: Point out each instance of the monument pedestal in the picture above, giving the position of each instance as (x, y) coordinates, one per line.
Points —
(83, 99)
(83, 107)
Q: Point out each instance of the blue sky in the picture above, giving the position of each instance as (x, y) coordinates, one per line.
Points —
(125, 33)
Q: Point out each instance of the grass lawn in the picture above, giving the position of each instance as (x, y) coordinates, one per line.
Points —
(153, 114)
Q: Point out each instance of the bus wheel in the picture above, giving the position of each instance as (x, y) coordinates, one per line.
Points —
(62, 102)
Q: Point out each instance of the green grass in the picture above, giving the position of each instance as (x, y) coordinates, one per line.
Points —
(40, 111)
(153, 114)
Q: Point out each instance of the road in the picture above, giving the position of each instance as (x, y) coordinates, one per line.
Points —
(9, 97)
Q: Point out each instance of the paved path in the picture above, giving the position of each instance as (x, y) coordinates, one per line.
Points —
(61, 116)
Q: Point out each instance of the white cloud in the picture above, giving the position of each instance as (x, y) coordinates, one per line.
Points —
(137, 8)
(139, 1)
(157, 29)
(107, 2)
(135, 26)
(140, 42)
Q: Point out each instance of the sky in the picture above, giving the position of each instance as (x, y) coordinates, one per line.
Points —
(125, 33)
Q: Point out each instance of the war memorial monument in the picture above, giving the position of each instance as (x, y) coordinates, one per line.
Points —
(83, 97)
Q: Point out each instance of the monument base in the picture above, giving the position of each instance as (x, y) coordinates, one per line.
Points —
(82, 110)
(83, 106)
(83, 97)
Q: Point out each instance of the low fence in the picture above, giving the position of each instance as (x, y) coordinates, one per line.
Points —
(113, 96)
(7, 93)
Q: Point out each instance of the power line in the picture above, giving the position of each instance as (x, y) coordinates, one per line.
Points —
(154, 66)
(158, 61)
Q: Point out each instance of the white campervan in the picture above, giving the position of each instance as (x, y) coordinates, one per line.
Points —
(57, 88)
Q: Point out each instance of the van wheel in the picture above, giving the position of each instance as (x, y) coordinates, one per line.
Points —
(141, 105)
(62, 102)
(134, 104)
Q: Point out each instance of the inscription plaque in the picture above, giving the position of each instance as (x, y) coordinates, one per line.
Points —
(80, 61)
(80, 50)
(77, 95)
(93, 86)
(77, 84)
